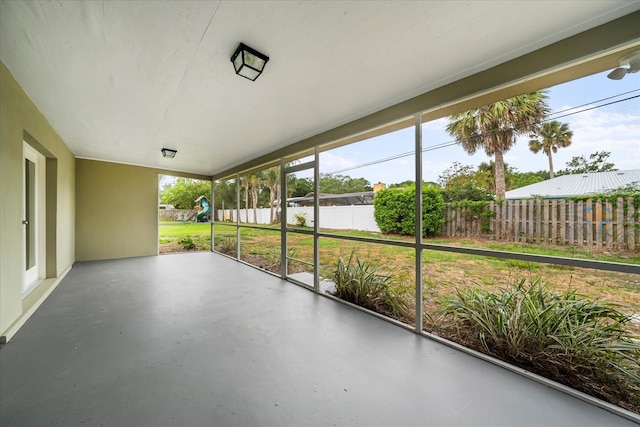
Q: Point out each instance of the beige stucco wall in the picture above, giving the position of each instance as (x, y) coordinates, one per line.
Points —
(18, 115)
(116, 210)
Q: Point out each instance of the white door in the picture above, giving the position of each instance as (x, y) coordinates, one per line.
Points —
(33, 218)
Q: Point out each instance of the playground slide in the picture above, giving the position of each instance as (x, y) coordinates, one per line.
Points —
(204, 204)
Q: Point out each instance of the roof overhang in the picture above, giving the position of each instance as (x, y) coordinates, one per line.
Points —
(119, 81)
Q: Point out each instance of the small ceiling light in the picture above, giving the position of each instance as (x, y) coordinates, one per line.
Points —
(632, 60)
(168, 152)
(248, 62)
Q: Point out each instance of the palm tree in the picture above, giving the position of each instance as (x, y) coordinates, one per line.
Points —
(255, 180)
(245, 183)
(495, 127)
(225, 191)
(272, 179)
(487, 170)
(550, 137)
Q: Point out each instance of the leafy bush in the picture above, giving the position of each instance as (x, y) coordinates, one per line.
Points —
(466, 191)
(564, 337)
(301, 219)
(184, 191)
(360, 282)
(394, 210)
(187, 242)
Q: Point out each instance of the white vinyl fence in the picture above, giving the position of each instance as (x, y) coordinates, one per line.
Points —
(357, 217)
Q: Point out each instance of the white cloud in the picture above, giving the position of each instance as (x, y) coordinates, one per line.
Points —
(593, 130)
(615, 132)
(329, 162)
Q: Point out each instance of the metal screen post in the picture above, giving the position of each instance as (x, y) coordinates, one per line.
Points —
(238, 216)
(283, 220)
(419, 220)
(213, 216)
(316, 219)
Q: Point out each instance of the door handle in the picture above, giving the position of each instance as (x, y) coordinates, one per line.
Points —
(25, 222)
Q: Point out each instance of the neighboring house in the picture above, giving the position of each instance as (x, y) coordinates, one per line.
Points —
(578, 185)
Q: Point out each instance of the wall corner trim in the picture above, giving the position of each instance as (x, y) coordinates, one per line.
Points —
(15, 327)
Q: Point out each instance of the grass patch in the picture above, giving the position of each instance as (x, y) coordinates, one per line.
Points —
(189, 236)
(170, 230)
(531, 248)
(456, 270)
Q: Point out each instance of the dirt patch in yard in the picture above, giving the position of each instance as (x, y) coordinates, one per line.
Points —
(174, 247)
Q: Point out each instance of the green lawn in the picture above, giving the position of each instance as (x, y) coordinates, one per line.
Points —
(177, 236)
(170, 230)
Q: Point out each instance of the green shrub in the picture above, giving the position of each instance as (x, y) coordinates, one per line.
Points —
(301, 219)
(581, 343)
(360, 282)
(467, 191)
(187, 242)
(394, 210)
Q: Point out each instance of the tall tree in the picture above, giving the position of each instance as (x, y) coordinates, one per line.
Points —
(244, 182)
(485, 176)
(272, 180)
(255, 180)
(406, 183)
(184, 191)
(496, 126)
(341, 184)
(462, 182)
(225, 193)
(298, 187)
(597, 162)
(520, 179)
(551, 136)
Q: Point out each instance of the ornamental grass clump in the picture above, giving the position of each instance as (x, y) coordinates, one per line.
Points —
(361, 282)
(227, 246)
(565, 337)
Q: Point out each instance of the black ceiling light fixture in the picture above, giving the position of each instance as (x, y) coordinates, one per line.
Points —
(632, 60)
(248, 62)
(168, 152)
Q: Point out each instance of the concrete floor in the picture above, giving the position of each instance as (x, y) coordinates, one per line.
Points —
(201, 340)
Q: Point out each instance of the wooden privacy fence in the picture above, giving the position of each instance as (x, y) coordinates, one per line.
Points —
(590, 223)
(176, 214)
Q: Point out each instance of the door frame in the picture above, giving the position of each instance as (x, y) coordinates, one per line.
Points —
(33, 277)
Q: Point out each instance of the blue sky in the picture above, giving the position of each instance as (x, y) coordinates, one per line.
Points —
(614, 128)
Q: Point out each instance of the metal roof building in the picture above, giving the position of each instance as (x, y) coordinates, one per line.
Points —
(578, 185)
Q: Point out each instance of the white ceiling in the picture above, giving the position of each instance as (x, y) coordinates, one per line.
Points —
(120, 80)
